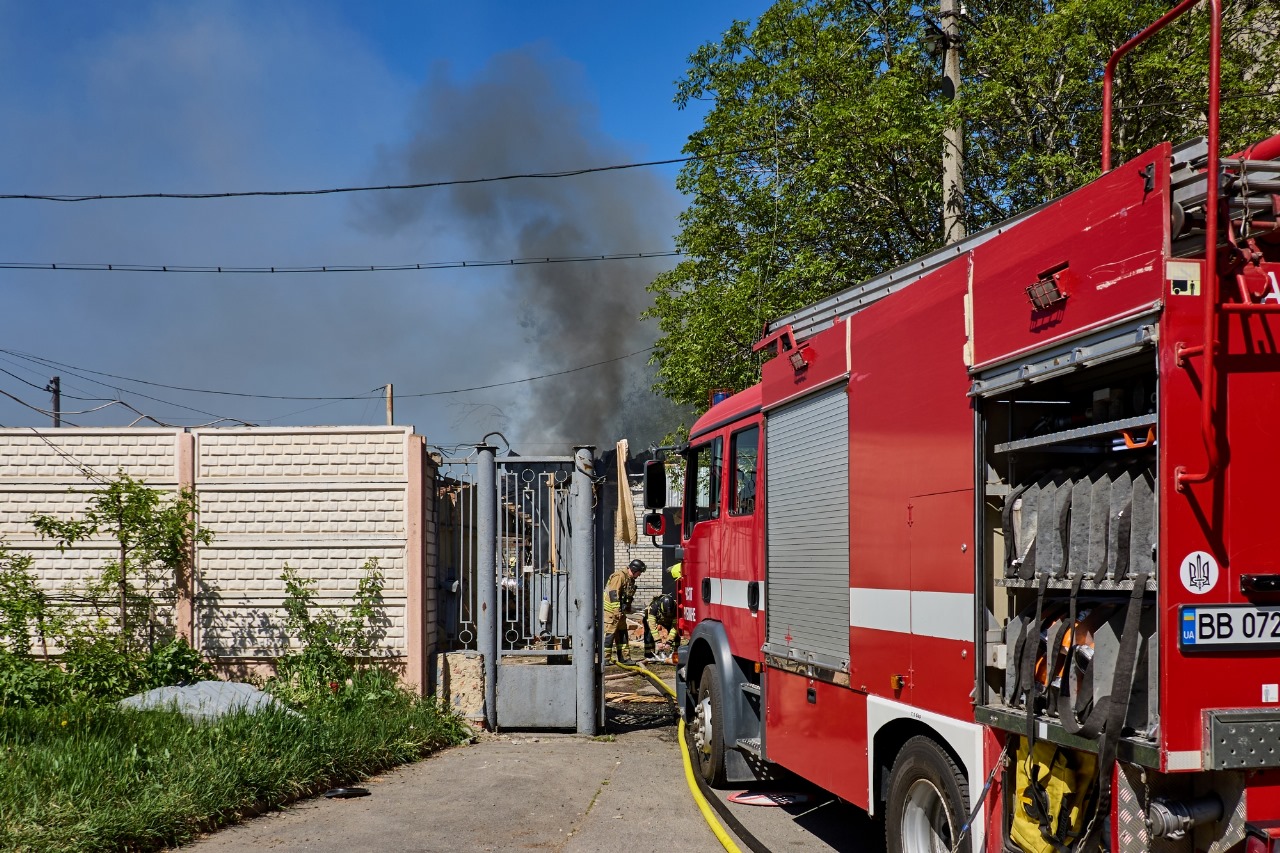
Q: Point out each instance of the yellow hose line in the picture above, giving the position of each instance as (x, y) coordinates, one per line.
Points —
(649, 675)
(703, 806)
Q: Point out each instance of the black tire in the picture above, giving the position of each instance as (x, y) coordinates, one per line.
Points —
(707, 747)
(927, 803)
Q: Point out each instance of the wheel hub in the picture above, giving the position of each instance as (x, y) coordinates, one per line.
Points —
(926, 825)
(702, 727)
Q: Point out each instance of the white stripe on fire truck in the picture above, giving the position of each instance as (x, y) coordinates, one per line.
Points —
(731, 593)
(946, 615)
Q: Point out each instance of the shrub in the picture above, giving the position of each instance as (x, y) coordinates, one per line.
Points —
(334, 641)
(103, 667)
(27, 683)
(176, 663)
(25, 610)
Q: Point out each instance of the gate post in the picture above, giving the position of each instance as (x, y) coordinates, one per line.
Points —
(487, 577)
(584, 588)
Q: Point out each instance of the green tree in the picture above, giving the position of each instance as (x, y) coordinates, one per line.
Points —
(822, 147)
(25, 613)
(154, 534)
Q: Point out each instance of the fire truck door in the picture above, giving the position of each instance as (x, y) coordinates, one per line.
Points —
(702, 535)
(741, 584)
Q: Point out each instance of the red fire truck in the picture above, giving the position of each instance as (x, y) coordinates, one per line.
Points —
(989, 551)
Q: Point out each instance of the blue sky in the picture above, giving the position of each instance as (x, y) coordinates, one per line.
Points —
(224, 96)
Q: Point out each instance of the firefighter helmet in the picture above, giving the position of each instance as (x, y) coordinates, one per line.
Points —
(636, 565)
(663, 608)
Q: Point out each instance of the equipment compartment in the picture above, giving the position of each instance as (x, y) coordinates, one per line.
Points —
(1069, 521)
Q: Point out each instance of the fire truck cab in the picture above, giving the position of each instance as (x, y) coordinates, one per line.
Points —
(989, 551)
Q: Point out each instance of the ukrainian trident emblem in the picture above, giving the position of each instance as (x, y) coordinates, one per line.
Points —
(1199, 572)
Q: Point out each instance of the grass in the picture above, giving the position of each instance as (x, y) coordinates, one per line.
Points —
(91, 776)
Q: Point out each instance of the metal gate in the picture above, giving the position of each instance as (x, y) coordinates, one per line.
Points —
(530, 521)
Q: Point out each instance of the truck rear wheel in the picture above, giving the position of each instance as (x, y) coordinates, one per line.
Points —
(927, 797)
(706, 729)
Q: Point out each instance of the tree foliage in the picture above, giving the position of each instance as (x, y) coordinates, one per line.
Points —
(152, 534)
(821, 154)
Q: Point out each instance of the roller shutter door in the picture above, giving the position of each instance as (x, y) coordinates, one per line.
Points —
(807, 476)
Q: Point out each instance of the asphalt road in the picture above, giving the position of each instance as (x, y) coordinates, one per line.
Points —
(624, 791)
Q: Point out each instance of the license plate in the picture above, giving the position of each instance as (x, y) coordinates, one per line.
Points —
(1227, 627)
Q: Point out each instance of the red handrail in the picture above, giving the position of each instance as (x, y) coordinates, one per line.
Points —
(1209, 284)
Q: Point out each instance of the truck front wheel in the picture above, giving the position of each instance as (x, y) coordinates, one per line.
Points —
(926, 804)
(706, 729)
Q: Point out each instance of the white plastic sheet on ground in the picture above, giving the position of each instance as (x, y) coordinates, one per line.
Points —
(205, 700)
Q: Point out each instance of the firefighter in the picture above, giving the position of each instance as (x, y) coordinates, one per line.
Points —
(661, 612)
(618, 595)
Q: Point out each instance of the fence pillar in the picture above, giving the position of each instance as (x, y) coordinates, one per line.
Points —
(184, 581)
(487, 576)
(585, 593)
(415, 568)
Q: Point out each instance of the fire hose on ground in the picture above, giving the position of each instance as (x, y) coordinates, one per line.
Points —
(722, 835)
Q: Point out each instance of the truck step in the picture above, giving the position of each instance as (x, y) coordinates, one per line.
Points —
(750, 744)
(748, 687)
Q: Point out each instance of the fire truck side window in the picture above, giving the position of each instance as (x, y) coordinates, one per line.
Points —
(743, 448)
(702, 501)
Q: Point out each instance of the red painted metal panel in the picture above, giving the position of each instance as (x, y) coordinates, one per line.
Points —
(826, 741)
(1262, 795)
(1230, 517)
(728, 409)
(911, 434)
(1111, 237)
(826, 359)
(941, 532)
(992, 743)
(942, 670)
(878, 656)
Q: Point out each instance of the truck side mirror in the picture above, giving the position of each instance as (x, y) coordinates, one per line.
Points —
(655, 485)
(655, 524)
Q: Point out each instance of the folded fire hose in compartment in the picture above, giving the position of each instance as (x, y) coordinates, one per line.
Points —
(1101, 524)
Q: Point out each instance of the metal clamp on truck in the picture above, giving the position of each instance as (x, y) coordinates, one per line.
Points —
(990, 551)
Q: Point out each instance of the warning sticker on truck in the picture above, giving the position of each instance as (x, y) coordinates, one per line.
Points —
(1227, 627)
(1184, 278)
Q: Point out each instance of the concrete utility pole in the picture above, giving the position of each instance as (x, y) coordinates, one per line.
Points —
(391, 406)
(953, 136)
(55, 388)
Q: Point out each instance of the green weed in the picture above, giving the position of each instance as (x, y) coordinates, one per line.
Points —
(90, 776)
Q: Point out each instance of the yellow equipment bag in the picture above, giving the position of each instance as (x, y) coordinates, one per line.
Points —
(1052, 791)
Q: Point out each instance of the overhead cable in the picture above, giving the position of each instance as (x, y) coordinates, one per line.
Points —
(141, 416)
(568, 173)
(50, 363)
(72, 370)
(424, 266)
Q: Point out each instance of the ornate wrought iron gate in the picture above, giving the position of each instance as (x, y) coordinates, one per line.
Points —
(530, 522)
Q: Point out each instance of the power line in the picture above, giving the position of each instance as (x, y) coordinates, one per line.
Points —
(70, 368)
(85, 469)
(24, 381)
(362, 189)
(530, 378)
(57, 364)
(141, 416)
(333, 268)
